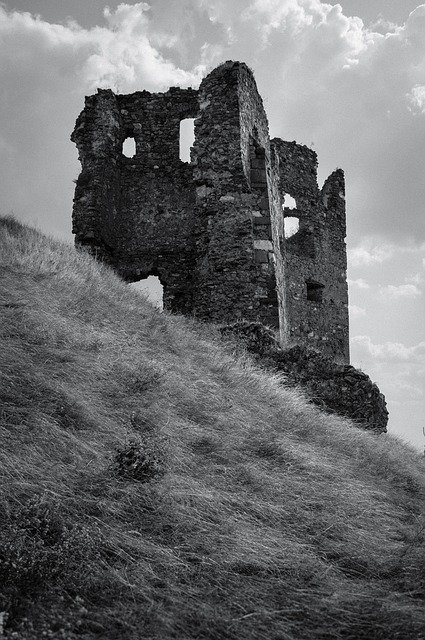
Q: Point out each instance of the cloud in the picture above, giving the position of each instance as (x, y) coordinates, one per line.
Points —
(356, 312)
(415, 278)
(359, 283)
(400, 373)
(325, 78)
(416, 99)
(390, 351)
(381, 25)
(372, 250)
(45, 71)
(343, 86)
(369, 254)
(391, 292)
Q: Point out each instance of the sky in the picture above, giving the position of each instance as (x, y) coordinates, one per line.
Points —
(346, 79)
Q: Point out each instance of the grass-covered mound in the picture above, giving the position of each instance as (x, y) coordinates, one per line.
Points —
(336, 388)
(152, 486)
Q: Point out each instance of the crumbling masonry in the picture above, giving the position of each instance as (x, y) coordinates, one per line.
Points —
(212, 230)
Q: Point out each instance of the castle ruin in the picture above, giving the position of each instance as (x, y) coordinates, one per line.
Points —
(212, 230)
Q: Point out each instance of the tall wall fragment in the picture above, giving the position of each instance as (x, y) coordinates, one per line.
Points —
(213, 229)
(315, 256)
(231, 160)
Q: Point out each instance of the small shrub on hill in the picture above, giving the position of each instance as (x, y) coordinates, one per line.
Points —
(140, 461)
(40, 550)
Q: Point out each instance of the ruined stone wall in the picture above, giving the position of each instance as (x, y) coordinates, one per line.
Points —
(212, 229)
(335, 388)
(140, 218)
(315, 257)
(97, 135)
(231, 158)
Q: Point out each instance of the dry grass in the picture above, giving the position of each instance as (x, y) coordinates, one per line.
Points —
(262, 518)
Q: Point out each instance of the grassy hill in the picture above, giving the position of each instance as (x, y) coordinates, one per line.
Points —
(155, 486)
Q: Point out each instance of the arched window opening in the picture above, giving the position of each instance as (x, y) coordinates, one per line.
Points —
(291, 225)
(289, 202)
(129, 148)
(314, 291)
(187, 138)
(152, 289)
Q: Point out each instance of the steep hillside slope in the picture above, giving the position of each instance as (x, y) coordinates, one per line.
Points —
(153, 486)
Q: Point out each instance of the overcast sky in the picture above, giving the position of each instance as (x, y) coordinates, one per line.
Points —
(347, 79)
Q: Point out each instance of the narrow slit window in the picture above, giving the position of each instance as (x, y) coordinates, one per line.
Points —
(129, 148)
(187, 138)
(291, 225)
(315, 291)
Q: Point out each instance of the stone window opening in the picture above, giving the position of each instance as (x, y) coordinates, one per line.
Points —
(291, 225)
(152, 288)
(314, 291)
(186, 139)
(289, 202)
(129, 147)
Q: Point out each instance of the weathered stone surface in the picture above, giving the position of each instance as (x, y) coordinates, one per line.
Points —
(252, 336)
(335, 388)
(212, 230)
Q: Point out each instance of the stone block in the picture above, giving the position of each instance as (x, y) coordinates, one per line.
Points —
(261, 256)
(264, 245)
(264, 220)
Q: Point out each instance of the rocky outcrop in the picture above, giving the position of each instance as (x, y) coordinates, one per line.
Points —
(335, 388)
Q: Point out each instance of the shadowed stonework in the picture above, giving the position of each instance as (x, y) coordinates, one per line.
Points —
(212, 230)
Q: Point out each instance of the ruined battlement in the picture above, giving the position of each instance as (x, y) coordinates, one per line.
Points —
(213, 230)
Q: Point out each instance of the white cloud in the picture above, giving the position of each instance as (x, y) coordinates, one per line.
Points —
(359, 283)
(355, 311)
(381, 25)
(373, 251)
(415, 278)
(120, 53)
(400, 373)
(390, 351)
(45, 71)
(325, 77)
(367, 255)
(416, 99)
(391, 292)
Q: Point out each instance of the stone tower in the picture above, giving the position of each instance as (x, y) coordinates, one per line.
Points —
(212, 230)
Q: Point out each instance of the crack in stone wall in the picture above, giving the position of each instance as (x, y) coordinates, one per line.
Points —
(212, 230)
